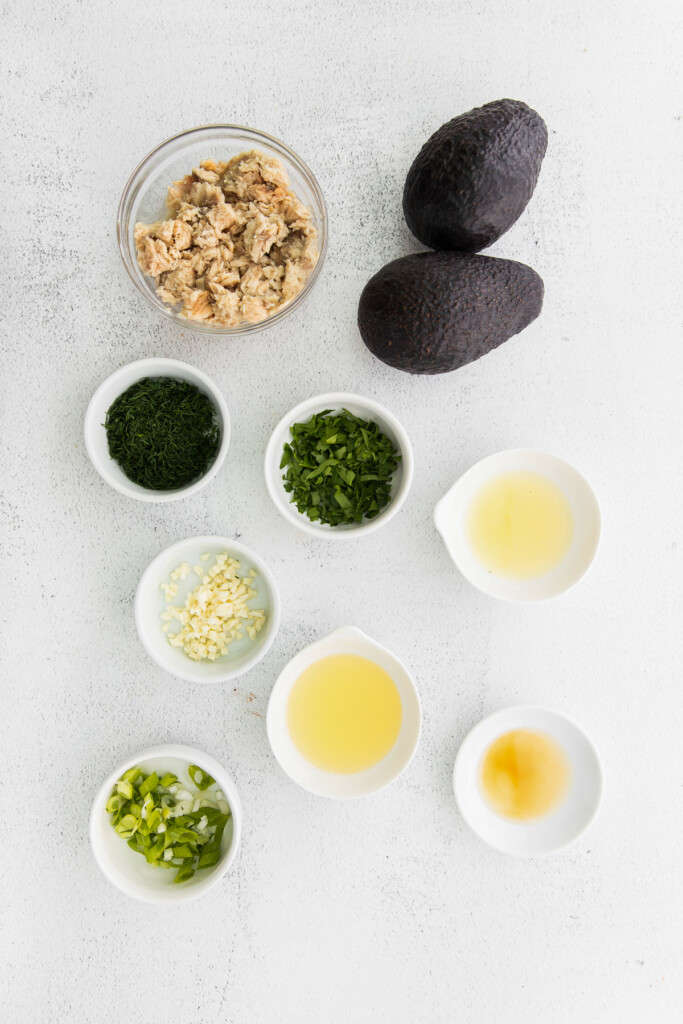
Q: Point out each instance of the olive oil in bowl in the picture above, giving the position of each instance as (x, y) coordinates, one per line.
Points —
(524, 774)
(520, 525)
(344, 713)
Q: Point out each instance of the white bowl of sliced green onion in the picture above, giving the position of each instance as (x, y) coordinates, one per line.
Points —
(165, 826)
(338, 466)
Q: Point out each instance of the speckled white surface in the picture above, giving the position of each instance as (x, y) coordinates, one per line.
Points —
(386, 910)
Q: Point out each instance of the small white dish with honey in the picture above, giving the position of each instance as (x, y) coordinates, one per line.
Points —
(520, 525)
(344, 716)
(528, 781)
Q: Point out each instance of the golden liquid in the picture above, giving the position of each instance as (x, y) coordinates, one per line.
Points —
(524, 774)
(344, 713)
(520, 525)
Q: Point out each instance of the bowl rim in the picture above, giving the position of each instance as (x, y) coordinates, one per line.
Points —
(132, 187)
(352, 634)
(501, 713)
(269, 630)
(511, 598)
(175, 367)
(192, 755)
(272, 457)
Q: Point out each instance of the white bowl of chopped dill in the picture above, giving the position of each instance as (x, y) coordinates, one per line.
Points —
(339, 465)
(157, 430)
(165, 826)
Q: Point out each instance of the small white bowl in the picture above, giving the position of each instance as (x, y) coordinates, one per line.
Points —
(150, 603)
(542, 835)
(347, 640)
(110, 389)
(129, 871)
(357, 405)
(450, 517)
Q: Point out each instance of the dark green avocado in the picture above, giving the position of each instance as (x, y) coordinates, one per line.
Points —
(435, 311)
(473, 178)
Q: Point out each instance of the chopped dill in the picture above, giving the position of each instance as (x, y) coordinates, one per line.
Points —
(163, 432)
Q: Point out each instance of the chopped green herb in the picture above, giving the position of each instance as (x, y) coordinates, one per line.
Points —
(146, 813)
(163, 432)
(339, 468)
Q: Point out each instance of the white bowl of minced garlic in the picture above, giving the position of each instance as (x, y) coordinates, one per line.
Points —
(207, 609)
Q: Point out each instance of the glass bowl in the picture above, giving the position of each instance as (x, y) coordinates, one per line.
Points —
(144, 199)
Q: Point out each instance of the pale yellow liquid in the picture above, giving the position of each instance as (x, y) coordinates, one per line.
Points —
(344, 713)
(524, 774)
(520, 525)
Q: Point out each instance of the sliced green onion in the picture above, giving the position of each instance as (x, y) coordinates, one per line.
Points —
(208, 858)
(127, 826)
(201, 779)
(183, 851)
(143, 812)
(184, 873)
(153, 820)
(150, 783)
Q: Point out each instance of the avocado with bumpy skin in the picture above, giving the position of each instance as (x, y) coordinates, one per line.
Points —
(474, 177)
(436, 311)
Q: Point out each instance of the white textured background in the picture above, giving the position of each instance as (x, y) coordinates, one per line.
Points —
(385, 910)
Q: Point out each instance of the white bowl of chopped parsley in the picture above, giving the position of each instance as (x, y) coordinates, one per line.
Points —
(338, 465)
(157, 430)
(165, 826)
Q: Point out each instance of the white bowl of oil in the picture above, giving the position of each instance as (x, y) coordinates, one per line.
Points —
(521, 525)
(528, 781)
(344, 716)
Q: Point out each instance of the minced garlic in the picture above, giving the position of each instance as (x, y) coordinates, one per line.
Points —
(216, 612)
